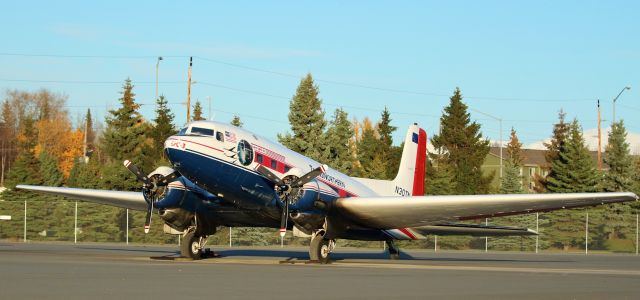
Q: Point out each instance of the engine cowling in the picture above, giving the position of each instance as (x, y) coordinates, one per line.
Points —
(311, 206)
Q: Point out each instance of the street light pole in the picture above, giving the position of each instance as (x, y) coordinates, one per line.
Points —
(157, 69)
(614, 102)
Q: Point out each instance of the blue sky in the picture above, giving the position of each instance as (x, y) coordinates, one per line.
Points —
(518, 61)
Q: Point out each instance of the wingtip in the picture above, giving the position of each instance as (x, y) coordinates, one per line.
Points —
(127, 163)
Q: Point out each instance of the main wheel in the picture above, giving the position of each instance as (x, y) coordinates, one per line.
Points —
(320, 249)
(191, 246)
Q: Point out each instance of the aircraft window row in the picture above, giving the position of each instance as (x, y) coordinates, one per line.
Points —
(201, 131)
(272, 163)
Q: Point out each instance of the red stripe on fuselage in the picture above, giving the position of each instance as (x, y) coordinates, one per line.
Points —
(421, 155)
(188, 141)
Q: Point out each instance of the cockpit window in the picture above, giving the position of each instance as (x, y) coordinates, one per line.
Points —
(201, 131)
(183, 131)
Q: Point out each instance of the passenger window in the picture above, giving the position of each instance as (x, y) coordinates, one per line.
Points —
(220, 136)
(286, 169)
(201, 131)
(259, 158)
(274, 164)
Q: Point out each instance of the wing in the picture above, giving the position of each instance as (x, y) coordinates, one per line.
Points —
(399, 212)
(131, 200)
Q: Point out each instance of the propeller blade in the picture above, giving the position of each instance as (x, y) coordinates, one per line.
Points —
(133, 169)
(169, 178)
(285, 216)
(310, 176)
(270, 175)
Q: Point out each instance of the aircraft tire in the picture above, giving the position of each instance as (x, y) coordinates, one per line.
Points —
(320, 250)
(190, 248)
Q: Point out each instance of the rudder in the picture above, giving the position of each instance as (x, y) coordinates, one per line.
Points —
(410, 178)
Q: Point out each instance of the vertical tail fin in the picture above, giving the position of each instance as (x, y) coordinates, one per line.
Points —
(410, 178)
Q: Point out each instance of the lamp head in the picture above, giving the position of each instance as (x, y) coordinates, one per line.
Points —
(628, 87)
(159, 57)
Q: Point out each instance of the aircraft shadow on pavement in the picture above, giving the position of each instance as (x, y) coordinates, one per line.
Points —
(127, 249)
(338, 256)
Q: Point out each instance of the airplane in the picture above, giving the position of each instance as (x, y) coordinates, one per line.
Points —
(223, 175)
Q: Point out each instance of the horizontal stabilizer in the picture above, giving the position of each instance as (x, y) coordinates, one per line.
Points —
(131, 200)
(473, 230)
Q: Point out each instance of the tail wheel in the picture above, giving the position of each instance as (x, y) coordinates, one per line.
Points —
(192, 246)
(320, 249)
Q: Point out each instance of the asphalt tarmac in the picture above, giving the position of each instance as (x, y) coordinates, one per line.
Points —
(99, 271)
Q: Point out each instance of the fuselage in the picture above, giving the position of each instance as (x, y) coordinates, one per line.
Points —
(222, 158)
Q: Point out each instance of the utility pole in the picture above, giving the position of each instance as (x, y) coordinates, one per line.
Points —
(599, 139)
(189, 91)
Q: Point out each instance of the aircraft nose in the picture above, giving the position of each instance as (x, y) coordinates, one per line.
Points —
(172, 146)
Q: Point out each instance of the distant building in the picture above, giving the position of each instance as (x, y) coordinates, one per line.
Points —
(532, 165)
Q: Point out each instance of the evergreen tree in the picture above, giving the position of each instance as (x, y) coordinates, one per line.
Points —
(440, 175)
(126, 129)
(464, 146)
(619, 178)
(162, 129)
(124, 138)
(369, 152)
(307, 121)
(51, 174)
(573, 171)
(26, 168)
(90, 133)
(337, 143)
(385, 131)
(197, 112)
(560, 132)
(511, 181)
(236, 121)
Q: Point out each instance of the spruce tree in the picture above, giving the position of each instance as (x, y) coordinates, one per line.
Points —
(337, 150)
(307, 121)
(369, 152)
(163, 127)
(236, 121)
(511, 181)
(619, 178)
(197, 112)
(90, 133)
(574, 170)
(439, 176)
(466, 150)
(560, 132)
(51, 174)
(124, 138)
(385, 131)
(26, 168)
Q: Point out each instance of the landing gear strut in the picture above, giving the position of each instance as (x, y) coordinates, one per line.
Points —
(321, 248)
(193, 245)
(394, 252)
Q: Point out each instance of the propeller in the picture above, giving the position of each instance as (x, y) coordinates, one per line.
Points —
(152, 188)
(285, 186)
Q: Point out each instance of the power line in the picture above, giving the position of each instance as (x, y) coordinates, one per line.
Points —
(282, 74)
